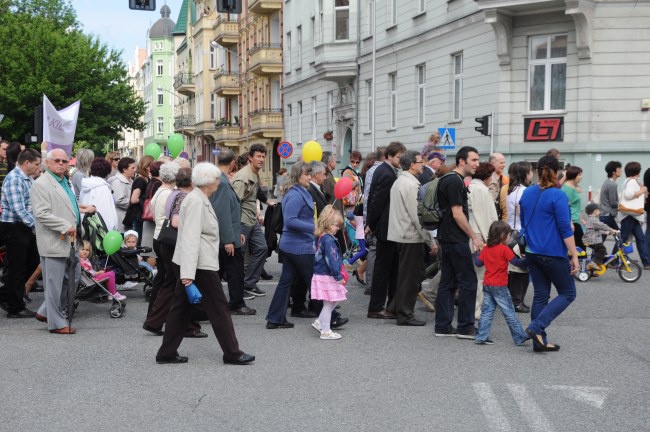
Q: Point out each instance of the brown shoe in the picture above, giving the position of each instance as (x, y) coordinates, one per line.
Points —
(427, 304)
(41, 318)
(384, 314)
(64, 330)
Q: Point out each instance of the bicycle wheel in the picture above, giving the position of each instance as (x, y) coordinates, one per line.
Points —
(630, 276)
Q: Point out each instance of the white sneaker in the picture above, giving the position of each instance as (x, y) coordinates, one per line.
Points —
(330, 335)
(316, 325)
(127, 286)
(119, 297)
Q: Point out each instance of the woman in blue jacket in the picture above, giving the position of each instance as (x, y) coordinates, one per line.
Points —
(296, 243)
(546, 220)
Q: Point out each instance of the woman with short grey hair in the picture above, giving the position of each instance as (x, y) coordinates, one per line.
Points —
(84, 159)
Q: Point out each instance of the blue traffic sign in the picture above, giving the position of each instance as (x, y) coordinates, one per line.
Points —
(447, 138)
(285, 149)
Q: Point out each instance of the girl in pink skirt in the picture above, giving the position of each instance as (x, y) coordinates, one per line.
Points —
(102, 275)
(330, 277)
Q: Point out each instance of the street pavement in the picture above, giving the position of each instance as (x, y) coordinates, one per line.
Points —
(378, 377)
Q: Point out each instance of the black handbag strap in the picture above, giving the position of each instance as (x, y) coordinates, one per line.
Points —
(523, 229)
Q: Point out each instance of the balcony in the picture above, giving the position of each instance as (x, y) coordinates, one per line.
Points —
(265, 7)
(226, 32)
(266, 123)
(336, 61)
(226, 84)
(184, 83)
(186, 122)
(225, 135)
(266, 59)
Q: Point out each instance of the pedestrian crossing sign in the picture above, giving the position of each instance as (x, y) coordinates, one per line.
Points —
(447, 138)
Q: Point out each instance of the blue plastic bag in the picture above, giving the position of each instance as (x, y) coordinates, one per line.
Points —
(193, 294)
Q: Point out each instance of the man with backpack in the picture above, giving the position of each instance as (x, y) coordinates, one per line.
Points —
(457, 266)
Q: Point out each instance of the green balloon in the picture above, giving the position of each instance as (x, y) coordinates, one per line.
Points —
(175, 144)
(112, 242)
(152, 150)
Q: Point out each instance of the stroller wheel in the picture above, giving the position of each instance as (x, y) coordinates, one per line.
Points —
(117, 310)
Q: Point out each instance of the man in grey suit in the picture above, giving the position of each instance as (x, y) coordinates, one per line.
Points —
(57, 218)
(231, 255)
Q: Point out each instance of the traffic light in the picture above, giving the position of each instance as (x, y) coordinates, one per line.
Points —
(484, 125)
(229, 6)
(145, 5)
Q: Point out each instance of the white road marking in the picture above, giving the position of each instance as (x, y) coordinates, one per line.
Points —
(491, 408)
(531, 411)
(594, 396)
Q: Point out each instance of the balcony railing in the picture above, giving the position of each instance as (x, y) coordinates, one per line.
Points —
(226, 32)
(227, 135)
(267, 122)
(184, 82)
(266, 59)
(265, 7)
(184, 121)
(226, 84)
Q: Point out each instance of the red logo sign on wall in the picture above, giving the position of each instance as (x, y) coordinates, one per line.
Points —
(544, 129)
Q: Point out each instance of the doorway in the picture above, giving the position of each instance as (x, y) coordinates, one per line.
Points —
(347, 149)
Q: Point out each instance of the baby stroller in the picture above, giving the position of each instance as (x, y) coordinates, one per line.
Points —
(89, 289)
(124, 262)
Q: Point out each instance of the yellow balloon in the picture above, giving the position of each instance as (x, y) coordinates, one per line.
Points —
(336, 179)
(312, 151)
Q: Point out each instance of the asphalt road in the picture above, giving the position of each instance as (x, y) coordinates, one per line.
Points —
(378, 377)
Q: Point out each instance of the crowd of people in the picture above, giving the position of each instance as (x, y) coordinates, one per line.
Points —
(205, 225)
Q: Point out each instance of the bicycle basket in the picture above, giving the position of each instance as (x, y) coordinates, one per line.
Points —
(628, 248)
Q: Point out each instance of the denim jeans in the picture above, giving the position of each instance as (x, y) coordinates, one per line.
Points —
(610, 221)
(631, 226)
(256, 244)
(292, 266)
(456, 268)
(544, 271)
(494, 296)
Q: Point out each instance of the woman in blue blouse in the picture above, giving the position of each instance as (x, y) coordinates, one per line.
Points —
(296, 243)
(546, 219)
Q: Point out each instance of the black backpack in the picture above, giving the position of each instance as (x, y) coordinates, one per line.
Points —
(429, 211)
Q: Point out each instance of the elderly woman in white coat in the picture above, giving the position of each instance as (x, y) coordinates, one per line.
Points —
(196, 261)
(482, 213)
(121, 184)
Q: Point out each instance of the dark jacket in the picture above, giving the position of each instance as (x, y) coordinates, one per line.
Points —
(427, 175)
(379, 200)
(228, 210)
(319, 198)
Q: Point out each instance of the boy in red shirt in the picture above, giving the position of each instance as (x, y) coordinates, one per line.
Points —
(496, 256)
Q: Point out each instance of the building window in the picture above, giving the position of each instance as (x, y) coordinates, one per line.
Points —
(370, 107)
(313, 32)
(290, 112)
(392, 83)
(370, 29)
(213, 106)
(321, 22)
(299, 46)
(458, 87)
(342, 12)
(161, 99)
(299, 121)
(421, 5)
(330, 109)
(159, 67)
(547, 73)
(289, 51)
(392, 13)
(421, 71)
(314, 117)
(213, 58)
(161, 125)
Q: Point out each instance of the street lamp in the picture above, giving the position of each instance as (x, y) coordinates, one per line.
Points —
(215, 45)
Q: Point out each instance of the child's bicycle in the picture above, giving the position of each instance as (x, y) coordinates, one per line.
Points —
(627, 270)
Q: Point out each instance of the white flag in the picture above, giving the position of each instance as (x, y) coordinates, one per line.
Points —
(59, 127)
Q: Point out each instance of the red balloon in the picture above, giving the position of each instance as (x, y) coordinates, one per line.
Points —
(342, 187)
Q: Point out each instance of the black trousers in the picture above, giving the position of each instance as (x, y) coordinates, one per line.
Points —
(384, 277)
(518, 286)
(411, 264)
(20, 247)
(233, 268)
(216, 308)
(159, 279)
(599, 253)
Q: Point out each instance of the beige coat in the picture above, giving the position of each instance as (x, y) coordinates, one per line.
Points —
(403, 223)
(197, 245)
(54, 215)
(481, 209)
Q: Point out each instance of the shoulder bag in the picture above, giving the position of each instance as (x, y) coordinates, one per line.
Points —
(631, 207)
(168, 234)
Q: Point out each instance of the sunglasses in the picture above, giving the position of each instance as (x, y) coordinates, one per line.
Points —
(63, 161)
(115, 159)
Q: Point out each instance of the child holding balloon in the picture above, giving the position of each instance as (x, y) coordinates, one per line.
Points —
(100, 275)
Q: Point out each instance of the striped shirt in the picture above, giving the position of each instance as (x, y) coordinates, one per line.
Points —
(16, 203)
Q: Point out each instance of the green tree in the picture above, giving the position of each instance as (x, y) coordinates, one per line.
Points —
(46, 52)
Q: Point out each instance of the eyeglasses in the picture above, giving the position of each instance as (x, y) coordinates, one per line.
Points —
(115, 159)
(419, 161)
(61, 161)
(355, 162)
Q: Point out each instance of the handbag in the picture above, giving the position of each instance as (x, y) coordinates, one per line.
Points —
(194, 296)
(168, 233)
(147, 207)
(631, 207)
(521, 237)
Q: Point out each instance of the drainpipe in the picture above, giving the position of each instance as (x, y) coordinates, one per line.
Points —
(374, 73)
(356, 105)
